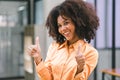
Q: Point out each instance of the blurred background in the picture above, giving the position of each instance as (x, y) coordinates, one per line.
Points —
(22, 20)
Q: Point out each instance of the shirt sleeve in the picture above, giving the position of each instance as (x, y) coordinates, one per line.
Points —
(43, 72)
(91, 59)
(44, 69)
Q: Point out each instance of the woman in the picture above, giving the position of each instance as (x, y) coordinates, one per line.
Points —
(72, 25)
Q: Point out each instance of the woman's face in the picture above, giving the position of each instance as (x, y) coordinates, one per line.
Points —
(67, 28)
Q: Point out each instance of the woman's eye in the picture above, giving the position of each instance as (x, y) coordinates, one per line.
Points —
(59, 26)
(66, 23)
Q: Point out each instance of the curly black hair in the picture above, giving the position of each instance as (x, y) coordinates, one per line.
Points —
(82, 15)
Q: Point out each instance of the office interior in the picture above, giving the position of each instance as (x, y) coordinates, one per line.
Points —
(22, 20)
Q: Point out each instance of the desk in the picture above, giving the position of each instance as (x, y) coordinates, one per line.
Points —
(112, 72)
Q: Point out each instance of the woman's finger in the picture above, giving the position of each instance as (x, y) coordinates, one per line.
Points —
(78, 52)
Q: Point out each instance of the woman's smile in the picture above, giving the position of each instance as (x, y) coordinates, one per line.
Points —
(67, 28)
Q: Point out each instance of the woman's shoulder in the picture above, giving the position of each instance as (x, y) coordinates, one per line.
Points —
(54, 44)
(90, 48)
(57, 45)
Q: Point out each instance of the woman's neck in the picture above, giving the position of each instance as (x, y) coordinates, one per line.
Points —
(73, 41)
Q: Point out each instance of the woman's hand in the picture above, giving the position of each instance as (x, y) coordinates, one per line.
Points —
(80, 61)
(34, 51)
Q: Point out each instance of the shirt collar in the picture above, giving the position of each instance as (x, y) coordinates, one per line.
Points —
(62, 45)
(74, 45)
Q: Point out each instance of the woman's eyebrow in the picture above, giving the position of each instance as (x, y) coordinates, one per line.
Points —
(66, 20)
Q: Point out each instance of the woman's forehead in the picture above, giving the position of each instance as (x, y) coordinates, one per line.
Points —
(64, 17)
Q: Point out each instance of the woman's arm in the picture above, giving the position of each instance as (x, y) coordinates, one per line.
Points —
(44, 68)
(91, 60)
(44, 72)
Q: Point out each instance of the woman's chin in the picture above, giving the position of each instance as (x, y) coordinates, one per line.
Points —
(68, 39)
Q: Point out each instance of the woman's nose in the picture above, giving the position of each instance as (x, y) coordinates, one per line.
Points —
(63, 28)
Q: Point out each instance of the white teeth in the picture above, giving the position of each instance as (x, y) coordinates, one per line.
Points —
(66, 33)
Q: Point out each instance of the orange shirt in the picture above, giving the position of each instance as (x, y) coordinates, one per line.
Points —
(60, 63)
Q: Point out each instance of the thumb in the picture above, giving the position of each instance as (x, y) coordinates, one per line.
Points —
(78, 52)
(37, 43)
